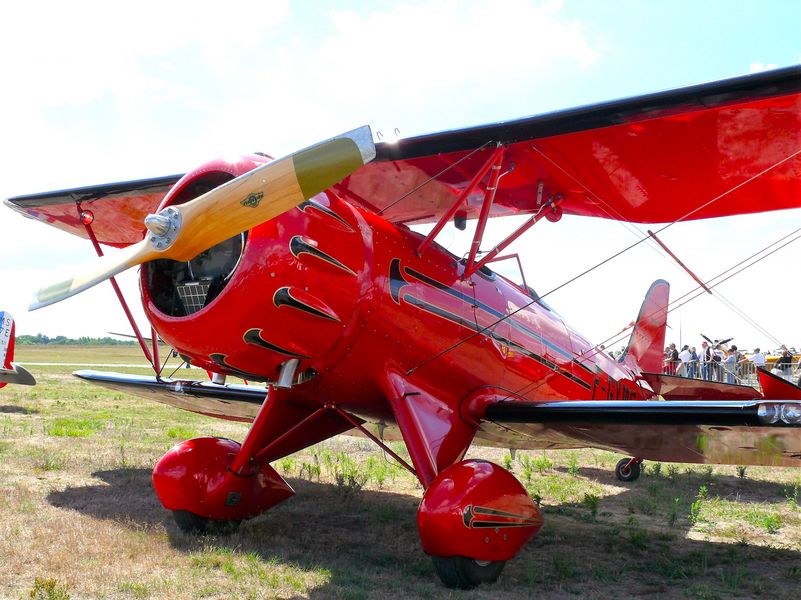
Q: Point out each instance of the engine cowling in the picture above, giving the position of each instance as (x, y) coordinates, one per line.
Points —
(285, 289)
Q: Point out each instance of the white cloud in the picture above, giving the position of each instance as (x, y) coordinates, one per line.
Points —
(95, 95)
(758, 67)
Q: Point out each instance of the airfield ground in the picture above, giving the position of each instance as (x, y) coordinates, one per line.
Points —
(79, 518)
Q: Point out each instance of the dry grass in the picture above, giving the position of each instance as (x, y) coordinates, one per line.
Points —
(77, 510)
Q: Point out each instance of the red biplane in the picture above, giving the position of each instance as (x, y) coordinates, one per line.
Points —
(304, 273)
(9, 372)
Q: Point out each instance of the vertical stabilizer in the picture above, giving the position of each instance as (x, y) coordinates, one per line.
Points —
(9, 372)
(645, 350)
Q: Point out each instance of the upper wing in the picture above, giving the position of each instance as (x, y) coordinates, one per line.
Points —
(728, 147)
(119, 209)
(711, 150)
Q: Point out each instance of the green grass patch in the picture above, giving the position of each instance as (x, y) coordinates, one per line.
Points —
(73, 427)
(48, 460)
(48, 589)
(558, 489)
(180, 433)
(136, 590)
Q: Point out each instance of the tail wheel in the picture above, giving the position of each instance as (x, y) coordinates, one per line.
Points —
(191, 523)
(627, 470)
(466, 573)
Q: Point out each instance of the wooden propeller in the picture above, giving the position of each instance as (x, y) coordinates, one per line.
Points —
(182, 232)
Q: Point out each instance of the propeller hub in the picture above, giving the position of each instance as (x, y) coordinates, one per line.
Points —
(164, 227)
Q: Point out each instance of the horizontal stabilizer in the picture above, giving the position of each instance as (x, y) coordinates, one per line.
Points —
(774, 386)
(16, 374)
(674, 387)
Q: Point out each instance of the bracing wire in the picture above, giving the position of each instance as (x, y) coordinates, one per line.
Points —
(694, 293)
(603, 262)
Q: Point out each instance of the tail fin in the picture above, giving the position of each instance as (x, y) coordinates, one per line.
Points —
(645, 350)
(9, 372)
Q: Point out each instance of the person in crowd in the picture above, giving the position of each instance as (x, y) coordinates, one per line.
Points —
(730, 364)
(718, 356)
(758, 358)
(692, 366)
(684, 361)
(674, 359)
(785, 363)
(705, 360)
(738, 358)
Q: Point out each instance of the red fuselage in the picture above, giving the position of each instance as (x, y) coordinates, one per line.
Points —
(344, 291)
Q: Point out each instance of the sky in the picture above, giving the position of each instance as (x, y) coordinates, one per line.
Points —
(99, 92)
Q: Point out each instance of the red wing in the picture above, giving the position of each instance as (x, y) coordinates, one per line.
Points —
(653, 158)
(700, 431)
(733, 144)
(119, 209)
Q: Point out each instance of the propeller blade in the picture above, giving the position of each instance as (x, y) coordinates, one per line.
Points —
(182, 232)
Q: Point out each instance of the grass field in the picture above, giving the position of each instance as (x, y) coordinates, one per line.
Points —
(79, 517)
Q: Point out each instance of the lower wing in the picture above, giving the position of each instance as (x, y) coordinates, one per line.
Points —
(756, 431)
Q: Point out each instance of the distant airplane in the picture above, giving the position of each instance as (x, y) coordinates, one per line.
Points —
(9, 372)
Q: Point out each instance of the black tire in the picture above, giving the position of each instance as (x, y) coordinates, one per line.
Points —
(631, 473)
(461, 572)
(195, 524)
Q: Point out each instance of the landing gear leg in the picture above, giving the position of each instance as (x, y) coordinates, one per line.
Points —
(628, 469)
(473, 518)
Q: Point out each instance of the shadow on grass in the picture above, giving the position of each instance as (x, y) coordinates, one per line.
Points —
(19, 410)
(367, 544)
(366, 541)
(745, 488)
(126, 496)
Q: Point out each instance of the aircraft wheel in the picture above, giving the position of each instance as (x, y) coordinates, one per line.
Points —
(631, 473)
(466, 573)
(191, 523)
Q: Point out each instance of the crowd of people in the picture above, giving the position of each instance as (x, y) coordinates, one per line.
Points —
(718, 362)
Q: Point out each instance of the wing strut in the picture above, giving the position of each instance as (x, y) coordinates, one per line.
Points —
(87, 217)
(550, 210)
(358, 425)
(494, 158)
(489, 198)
